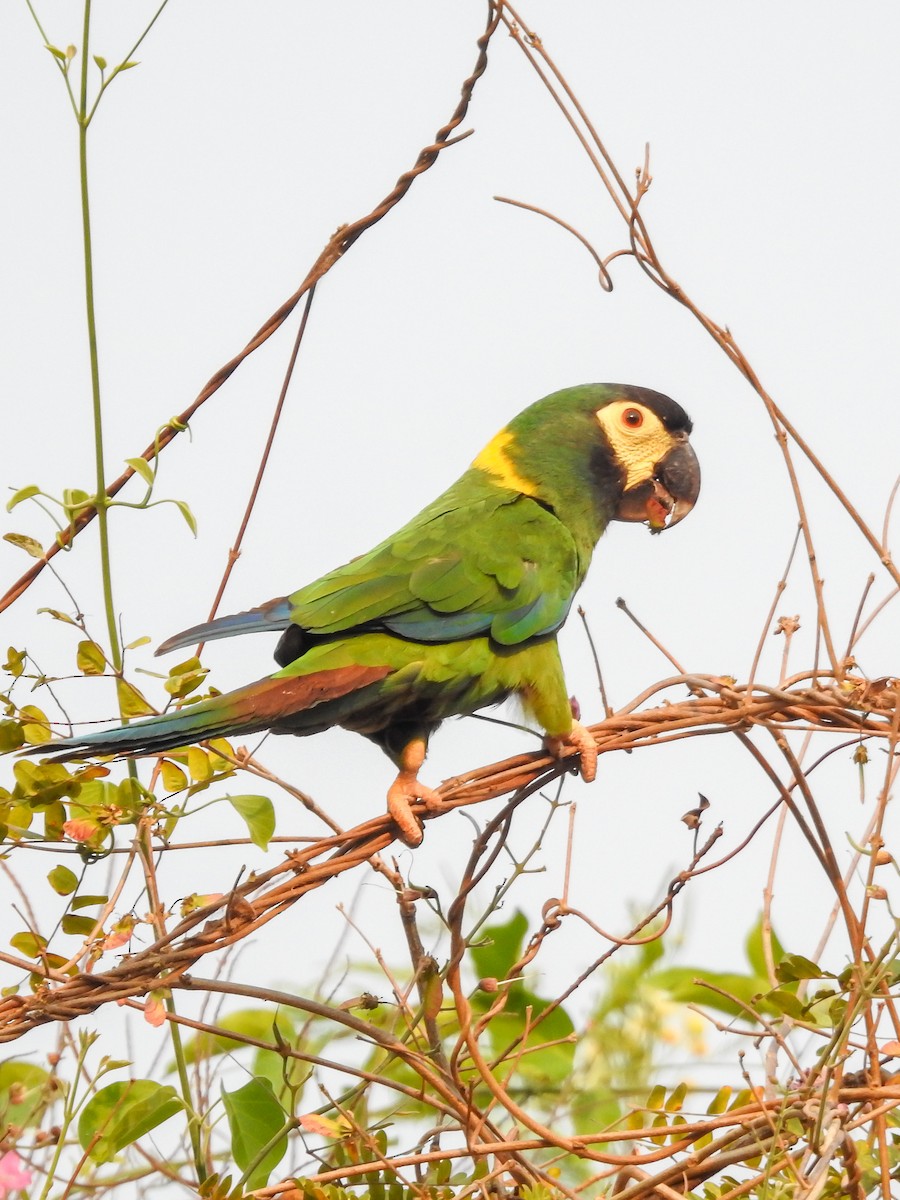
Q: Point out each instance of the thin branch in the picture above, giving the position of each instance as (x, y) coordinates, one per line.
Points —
(338, 245)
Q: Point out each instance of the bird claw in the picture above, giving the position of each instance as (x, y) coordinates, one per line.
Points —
(577, 741)
(403, 792)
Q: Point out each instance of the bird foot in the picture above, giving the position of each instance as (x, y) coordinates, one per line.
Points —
(406, 789)
(578, 741)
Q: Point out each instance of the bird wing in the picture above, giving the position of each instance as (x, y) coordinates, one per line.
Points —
(496, 562)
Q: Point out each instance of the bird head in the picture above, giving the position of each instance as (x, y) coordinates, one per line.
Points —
(598, 453)
(648, 434)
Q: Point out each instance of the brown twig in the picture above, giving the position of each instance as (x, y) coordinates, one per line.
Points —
(337, 246)
(642, 249)
(235, 552)
(723, 708)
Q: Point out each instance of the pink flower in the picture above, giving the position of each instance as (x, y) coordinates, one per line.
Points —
(155, 1010)
(120, 934)
(79, 830)
(113, 941)
(12, 1176)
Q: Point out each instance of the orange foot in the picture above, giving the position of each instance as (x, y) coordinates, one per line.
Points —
(406, 789)
(578, 741)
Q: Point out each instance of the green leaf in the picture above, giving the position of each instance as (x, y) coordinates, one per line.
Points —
(657, 1098)
(755, 952)
(56, 962)
(132, 796)
(254, 1118)
(57, 615)
(100, 61)
(112, 1064)
(75, 499)
(94, 794)
(187, 514)
(719, 1102)
(35, 727)
(28, 776)
(173, 778)
(24, 493)
(11, 736)
(29, 544)
(132, 703)
(81, 926)
(796, 967)
(88, 901)
(19, 819)
(120, 1113)
(126, 66)
(545, 1067)
(15, 661)
(837, 1011)
(90, 658)
(56, 52)
(219, 764)
(687, 985)
(25, 1092)
(185, 677)
(787, 1003)
(141, 467)
(30, 944)
(62, 880)
(501, 947)
(258, 815)
(141, 641)
(198, 765)
(55, 817)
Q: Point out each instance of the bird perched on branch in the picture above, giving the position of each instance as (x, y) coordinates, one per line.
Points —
(461, 607)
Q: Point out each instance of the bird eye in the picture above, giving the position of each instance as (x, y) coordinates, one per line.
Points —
(633, 418)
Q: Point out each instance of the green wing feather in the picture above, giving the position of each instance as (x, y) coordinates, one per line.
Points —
(481, 559)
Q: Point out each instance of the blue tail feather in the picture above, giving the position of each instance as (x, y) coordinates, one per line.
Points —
(297, 704)
(271, 617)
(153, 735)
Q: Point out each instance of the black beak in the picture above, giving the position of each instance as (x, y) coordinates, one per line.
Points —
(670, 495)
(679, 474)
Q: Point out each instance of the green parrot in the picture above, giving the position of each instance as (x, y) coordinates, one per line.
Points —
(461, 607)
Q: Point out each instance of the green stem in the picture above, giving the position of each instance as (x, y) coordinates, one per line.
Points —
(194, 1123)
(102, 499)
(156, 909)
(71, 1105)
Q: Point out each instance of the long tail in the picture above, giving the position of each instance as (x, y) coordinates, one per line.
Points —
(251, 709)
(272, 616)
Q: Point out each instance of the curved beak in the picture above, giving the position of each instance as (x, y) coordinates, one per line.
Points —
(669, 495)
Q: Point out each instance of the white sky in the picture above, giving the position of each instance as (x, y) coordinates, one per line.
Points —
(220, 166)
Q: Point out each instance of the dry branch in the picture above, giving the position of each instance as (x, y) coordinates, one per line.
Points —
(865, 710)
(338, 245)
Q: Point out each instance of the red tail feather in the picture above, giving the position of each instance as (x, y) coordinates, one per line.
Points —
(269, 700)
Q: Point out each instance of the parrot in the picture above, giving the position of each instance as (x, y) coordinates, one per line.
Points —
(459, 609)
